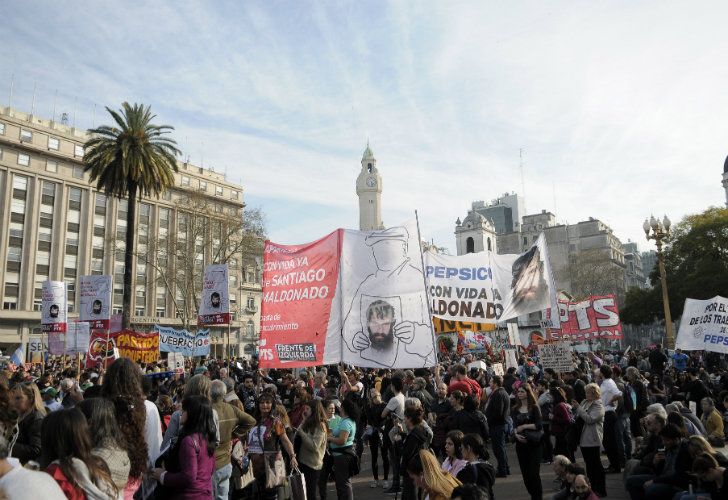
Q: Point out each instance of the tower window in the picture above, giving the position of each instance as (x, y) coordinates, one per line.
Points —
(369, 168)
(489, 245)
(470, 245)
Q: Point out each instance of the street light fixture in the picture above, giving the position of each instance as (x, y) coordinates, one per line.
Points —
(659, 231)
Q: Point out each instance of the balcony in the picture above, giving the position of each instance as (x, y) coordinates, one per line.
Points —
(251, 309)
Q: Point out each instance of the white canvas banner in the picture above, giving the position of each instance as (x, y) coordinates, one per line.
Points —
(386, 319)
(485, 287)
(704, 325)
(53, 307)
(95, 297)
(215, 297)
(78, 337)
(461, 287)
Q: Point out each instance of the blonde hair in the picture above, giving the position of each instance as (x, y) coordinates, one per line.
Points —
(437, 482)
(702, 444)
(33, 394)
(593, 387)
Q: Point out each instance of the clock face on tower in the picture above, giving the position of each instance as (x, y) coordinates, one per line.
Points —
(371, 182)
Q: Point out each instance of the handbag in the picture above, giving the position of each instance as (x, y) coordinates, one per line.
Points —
(240, 459)
(533, 436)
(297, 483)
(275, 470)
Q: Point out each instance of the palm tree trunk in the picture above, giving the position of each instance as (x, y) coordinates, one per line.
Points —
(129, 256)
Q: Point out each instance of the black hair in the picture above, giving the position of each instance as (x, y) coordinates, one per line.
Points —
(606, 371)
(470, 491)
(477, 445)
(199, 420)
(351, 409)
(397, 384)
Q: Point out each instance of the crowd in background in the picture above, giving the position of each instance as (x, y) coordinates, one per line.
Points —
(230, 430)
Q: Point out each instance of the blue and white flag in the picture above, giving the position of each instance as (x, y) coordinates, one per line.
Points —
(18, 357)
(182, 341)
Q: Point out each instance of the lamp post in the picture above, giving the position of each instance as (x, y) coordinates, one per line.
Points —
(659, 230)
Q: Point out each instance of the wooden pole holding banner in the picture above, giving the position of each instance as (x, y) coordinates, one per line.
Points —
(424, 282)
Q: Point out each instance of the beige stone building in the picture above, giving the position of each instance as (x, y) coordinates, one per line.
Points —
(55, 225)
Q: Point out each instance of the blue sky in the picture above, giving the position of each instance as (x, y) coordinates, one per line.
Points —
(620, 107)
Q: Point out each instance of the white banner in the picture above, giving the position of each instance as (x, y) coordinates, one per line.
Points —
(386, 320)
(95, 297)
(215, 297)
(53, 307)
(704, 325)
(78, 337)
(485, 287)
(556, 356)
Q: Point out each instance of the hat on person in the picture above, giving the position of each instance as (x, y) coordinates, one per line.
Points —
(392, 233)
(50, 391)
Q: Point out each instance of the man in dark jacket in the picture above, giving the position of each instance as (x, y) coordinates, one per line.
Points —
(497, 412)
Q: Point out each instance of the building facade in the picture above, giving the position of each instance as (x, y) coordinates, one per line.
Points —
(54, 225)
(634, 276)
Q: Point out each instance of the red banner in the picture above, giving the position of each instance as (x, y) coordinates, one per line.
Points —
(595, 317)
(137, 346)
(299, 284)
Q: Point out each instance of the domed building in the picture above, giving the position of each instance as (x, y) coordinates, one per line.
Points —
(475, 234)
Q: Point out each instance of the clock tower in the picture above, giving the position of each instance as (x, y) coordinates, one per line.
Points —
(369, 190)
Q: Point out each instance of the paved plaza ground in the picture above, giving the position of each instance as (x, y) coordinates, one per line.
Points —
(510, 488)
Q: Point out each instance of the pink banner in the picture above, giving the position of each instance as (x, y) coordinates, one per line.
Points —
(299, 284)
(595, 317)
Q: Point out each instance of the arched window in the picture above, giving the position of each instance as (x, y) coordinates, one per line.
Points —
(250, 328)
(489, 249)
(369, 168)
(469, 245)
(525, 241)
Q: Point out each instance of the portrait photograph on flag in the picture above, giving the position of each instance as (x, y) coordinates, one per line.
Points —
(215, 296)
(53, 307)
(95, 298)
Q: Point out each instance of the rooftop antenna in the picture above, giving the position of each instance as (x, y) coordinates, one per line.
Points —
(10, 96)
(55, 98)
(523, 183)
(32, 102)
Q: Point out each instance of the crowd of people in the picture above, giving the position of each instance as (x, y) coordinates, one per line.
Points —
(230, 430)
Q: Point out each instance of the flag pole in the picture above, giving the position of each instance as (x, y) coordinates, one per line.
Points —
(424, 282)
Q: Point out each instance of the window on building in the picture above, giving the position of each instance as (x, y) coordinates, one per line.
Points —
(218, 191)
(250, 328)
(100, 208)
(185, 181)
(203, 186)
(78, 151)
(54, 143)
(470, 245)
(234, 195)
(51, 166)
(489, 248)
(23, 159)
(139, 312)
(26, 135)
(77, 172)
(167, 195)
(250, 303)
(160, 312)
(2, 129)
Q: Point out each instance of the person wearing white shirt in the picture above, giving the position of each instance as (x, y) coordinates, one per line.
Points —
(610, 397)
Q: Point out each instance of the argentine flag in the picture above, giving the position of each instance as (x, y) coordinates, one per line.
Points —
(18, 357)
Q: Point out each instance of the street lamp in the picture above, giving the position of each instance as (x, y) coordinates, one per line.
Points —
(659, 230)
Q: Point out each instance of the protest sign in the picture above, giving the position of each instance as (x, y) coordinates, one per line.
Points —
(57, 343)
(53, 307)
(95, 295)
(511, 357)
(78, 337)
(137, 346)
(215, 296)
(595, 317)
(176, 362)
(704, 325)
(485, 287)
(36, 349)
(556, 356)
(182, 341)
(498, 369)
(354, 297)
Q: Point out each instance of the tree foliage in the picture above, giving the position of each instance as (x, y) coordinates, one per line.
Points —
(696, 266)
(592, 272)
(127, 160)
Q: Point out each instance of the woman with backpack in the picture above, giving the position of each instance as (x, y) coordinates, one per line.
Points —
(561, 419)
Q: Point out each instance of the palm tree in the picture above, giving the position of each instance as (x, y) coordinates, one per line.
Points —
(130, 159)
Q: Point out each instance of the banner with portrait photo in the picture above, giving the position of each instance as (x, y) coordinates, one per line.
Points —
(356, 297)
(53, 315)
(215, 296)
(704, 325)
(525, 281)
(95, 298)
